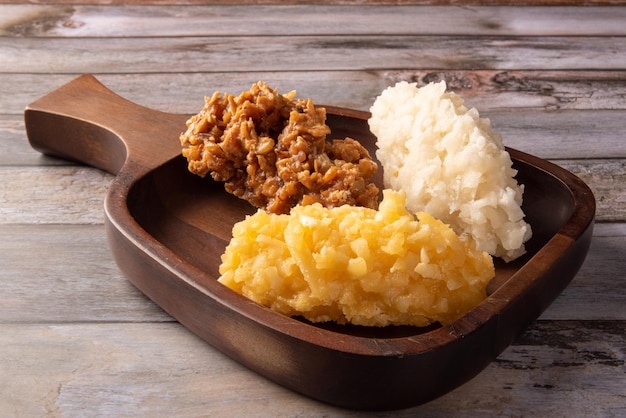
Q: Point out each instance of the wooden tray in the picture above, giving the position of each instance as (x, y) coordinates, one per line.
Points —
(167, 230)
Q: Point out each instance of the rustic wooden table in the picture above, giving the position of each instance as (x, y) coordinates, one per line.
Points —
(77, 339)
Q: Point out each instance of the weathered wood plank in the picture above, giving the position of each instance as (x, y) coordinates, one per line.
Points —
(607, 229)
(547, 134)
(59, 195)
(542, 3)
(29, 20)
(597, 285)
(597, 291)
(562, 134)
(486, 90)
(310, 53)
(71, 276)
(607, 181)
(163, 370)
(550, 90)
(15, 148)
(74, 194)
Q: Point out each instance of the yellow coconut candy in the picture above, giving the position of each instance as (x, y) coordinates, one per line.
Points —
(357, 265)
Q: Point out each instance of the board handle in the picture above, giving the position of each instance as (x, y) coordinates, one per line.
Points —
(84, 121)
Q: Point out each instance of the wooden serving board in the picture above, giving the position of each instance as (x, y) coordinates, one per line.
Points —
(168, 228)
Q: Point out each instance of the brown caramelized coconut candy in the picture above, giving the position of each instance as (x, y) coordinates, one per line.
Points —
(271, 150)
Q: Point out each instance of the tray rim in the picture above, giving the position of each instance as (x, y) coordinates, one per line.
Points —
(584, 209)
